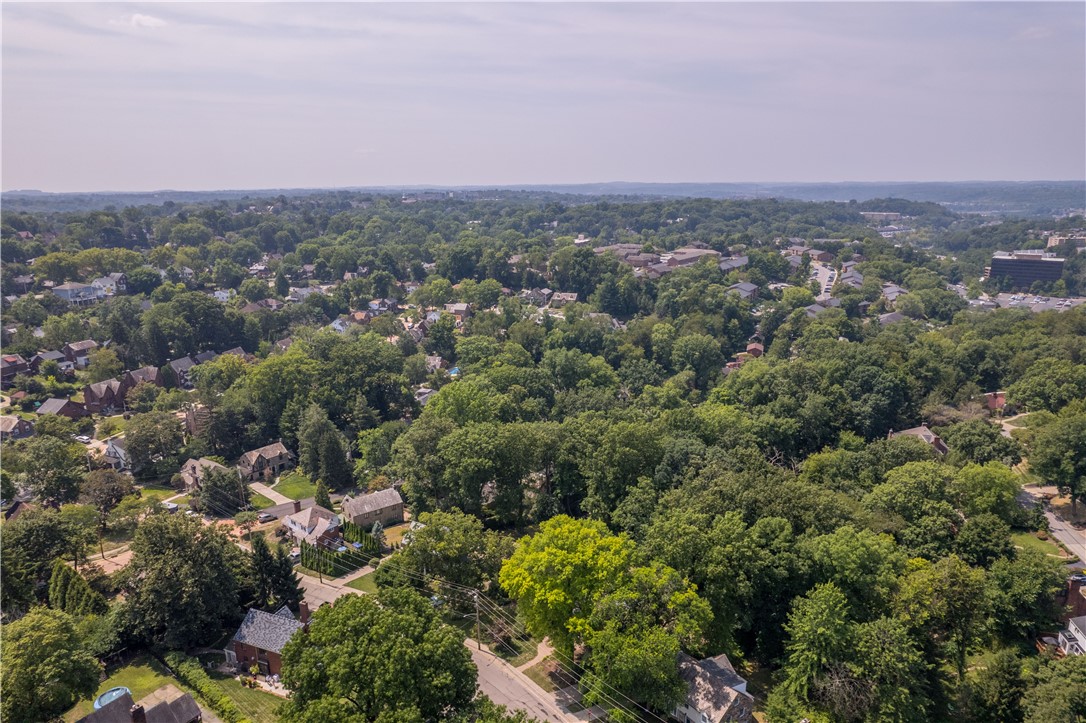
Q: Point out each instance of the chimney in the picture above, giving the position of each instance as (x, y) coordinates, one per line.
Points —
(297, 505)
(303, 612)
(138, 714)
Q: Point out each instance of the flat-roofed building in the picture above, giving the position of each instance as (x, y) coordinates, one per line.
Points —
(1024, 267)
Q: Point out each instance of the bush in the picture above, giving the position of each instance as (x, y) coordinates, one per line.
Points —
(193, 675)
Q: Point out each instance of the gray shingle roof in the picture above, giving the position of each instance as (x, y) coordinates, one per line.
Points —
(372, 502)
(266, 631)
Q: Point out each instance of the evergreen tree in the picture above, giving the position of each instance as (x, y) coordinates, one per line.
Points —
(69, 592)
(322, 497)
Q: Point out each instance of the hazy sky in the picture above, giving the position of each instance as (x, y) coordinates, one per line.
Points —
(214, 96)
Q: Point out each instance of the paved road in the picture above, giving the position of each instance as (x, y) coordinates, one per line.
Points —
(1073, 538)
(507, 686)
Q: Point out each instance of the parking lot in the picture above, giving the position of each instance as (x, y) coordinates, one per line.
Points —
(1037, 303)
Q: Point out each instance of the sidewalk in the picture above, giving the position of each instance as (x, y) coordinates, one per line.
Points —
(262, 489)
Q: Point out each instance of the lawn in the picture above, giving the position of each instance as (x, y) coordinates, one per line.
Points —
(364, 583)
(254, 703)
(296, 486)
(259, 502)
(156, 493)
(142, 676)
(1027, 540)
(545, 673)
(516, 651)
(394, 534)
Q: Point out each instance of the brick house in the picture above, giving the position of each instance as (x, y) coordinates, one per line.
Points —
(262, 637)
(63, 407)
(265, 463)
(78, 352)
(10, 366)
(103, 396)
(385, 506)
(12, 427)
(195, 471)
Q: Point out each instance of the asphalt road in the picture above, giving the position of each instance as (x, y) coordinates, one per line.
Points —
(507, 686)
(1073, 538)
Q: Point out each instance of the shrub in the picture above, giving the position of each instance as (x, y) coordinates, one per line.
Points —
(192, 674)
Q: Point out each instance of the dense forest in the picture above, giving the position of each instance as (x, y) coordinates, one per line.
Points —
(660, 466)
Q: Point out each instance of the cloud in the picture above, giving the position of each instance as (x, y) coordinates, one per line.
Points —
(139, 20)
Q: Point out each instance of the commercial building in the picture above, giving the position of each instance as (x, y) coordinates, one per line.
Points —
(1025, 267)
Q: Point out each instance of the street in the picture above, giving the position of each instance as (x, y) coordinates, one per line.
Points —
(505, 685)
(1074, 539)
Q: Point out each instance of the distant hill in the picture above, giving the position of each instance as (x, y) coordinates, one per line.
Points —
(1028, 198)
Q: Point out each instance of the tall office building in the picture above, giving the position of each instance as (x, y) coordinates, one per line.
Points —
(1025, 267)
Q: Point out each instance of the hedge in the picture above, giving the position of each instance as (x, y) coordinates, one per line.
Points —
(194, 676)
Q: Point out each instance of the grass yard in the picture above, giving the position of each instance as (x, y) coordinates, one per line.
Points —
(156, 493)
(395, 533)
(540, 674)
(259, 502)
(142, 676)
(1028, 541)
(364, 583)
(516, 652)
(296, 486)
(256, 704)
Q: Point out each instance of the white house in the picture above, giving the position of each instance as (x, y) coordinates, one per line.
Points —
(1073, 639)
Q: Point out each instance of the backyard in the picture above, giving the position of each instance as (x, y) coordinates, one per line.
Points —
(143, 675)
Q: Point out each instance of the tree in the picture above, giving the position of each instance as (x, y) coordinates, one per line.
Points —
(142, 397)
(996, 694)
(143, 281)
(222, 493)
(1058, 692)
(1059, 456)
(386, 658)
(1021, 592)
(104, 364)
(153, 441)
(246, 521)
(51, 468)
(980, 441)
(454, 547)
(441, 339)
(557, 573)
(377, 532)
(820, 635)
(322, 450)
(699, 353)
(275, 583)
(69, 591)
(104, 489)
(321, 497)
(181, 587)
(45, 668)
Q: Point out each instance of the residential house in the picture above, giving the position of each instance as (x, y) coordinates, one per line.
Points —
(819, 255)
(11, 365)
(104, 396)
(733, 263)
(24, 282)
(995, 401)
(892, 317)
(105, 286)
(262, 637)
(283, 344)
(423, 394)
(63, 407)
(43, 356)
(116, 454)
(265, 463)
(814, 310)
(148, 374)
(197, 417)
(383, 306)
(1073, 639)
(195, 471)
(461, 311)
(755, 349)
(238, 351)
(181, 368)
(223, 295)
(690, 256)
(17, 508)
(537, 297)
(168, 704)
(434, 362)
(922, 432)
(715, 692)
(385, 506)
(314, 525)
(78, 352)
(745, 289)
(76, 293)
(561, 298)
(890, 292)
(204, 356)
(12, 427)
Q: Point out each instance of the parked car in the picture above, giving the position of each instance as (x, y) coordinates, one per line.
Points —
(265, 517)
(83, 438)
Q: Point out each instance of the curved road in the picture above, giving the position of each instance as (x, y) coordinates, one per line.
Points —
(1073, 538)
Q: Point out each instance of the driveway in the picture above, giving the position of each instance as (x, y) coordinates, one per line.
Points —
(262, 489)
(1073, 538)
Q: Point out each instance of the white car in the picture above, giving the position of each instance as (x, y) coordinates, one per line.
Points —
(83, 438)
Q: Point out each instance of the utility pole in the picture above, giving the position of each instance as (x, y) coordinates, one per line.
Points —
(478, 639)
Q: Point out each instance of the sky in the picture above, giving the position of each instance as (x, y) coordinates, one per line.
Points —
(203, 96)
